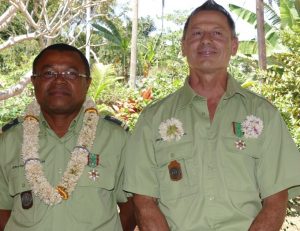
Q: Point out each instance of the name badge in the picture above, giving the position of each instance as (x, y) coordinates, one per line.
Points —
(26, 199)
(175, 170)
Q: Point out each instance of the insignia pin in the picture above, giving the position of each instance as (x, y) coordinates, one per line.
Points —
(93, 174)
(26, 199)
(175, 170)
(240, 144)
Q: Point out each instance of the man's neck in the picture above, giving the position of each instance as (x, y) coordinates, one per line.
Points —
(209, 85)
(60, 123)
(212, 86)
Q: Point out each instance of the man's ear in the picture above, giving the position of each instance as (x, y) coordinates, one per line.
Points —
(183, 48)
(33, 80)
(88, 81)
(234, 46)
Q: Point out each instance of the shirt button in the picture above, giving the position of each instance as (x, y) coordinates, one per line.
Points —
(211, 198)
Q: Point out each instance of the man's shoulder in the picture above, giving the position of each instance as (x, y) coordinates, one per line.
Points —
(166, 102)
(258, 100)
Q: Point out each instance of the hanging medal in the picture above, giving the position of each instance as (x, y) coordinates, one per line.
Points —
(93, 162)
(238, 131)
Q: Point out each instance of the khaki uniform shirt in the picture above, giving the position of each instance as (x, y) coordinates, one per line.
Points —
(219, 178)
(92, 206)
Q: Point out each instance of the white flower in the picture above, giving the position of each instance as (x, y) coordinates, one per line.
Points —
(33, 168)
(171, 129)
(252, 127)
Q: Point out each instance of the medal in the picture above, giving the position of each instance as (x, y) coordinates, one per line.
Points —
(93, 174)
(237, 129)
(93, 160)
(240, 144)
(26, 199)
(175, 170)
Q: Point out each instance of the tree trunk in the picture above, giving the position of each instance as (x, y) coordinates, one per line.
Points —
(133, 55)
(88, 31)
(262, 59)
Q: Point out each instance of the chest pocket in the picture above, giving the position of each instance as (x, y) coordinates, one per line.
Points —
(105, 171)
(17, 181)
(240, 165)
(91, 195)
(105, 179)
(16, 185)
(182, 153)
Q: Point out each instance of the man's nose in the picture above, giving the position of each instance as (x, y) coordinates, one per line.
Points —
(206, 37)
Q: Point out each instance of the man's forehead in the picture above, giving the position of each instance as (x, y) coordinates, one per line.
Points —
(206, 17)
(52, 57)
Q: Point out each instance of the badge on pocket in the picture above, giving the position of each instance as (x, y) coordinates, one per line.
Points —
(26, 199)
(175, 170)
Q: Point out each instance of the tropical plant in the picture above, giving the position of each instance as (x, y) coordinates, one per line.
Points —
(118, 41)
(287, 16)
(103, 77)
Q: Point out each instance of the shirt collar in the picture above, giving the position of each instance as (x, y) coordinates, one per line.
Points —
(75, 126)
(233, 87)
(187, 94)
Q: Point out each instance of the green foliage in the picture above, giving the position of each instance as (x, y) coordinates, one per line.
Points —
(115, 36)
(281, 82)
(14, 107)
(150, 89)
(14, 63)
(103, 77)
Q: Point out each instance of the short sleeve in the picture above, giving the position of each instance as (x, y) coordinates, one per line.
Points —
(278, 168)
(120, 193)
(5, 199)
(140, 165)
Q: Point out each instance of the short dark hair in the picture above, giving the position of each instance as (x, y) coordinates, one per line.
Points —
(211, 5)
(62, 47)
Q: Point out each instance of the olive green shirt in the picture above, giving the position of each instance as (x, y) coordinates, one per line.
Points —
(220, 177)
(92, 206)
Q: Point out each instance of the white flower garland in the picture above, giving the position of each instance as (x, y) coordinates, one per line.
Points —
(79, 156)
(252, 126)
(171, 129)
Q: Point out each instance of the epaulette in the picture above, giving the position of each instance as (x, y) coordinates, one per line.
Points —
(116, 121)
(9, 125)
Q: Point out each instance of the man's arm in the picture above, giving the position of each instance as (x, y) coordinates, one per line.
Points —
(273, 212)
(4, 216)
(148, 215)
(127, 215)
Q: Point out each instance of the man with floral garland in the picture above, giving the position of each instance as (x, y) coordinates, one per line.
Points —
(61, 165)
(212, 156)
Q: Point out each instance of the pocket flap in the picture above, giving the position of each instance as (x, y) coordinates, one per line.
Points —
(176, 150)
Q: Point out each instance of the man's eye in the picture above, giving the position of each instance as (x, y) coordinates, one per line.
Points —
(197, 33)
(71, 74)
(49, 74)
(217, 33)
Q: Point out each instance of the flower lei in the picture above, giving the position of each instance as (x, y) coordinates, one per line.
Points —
(33, 168)
(171, 129)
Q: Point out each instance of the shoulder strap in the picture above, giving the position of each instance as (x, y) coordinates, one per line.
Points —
(10, 124)
(118, 122)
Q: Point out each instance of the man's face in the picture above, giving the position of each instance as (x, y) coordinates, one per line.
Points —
(209, 43)
(59, 95)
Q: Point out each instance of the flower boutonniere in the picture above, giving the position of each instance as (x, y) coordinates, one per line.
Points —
(252, 127)
(171, 129)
